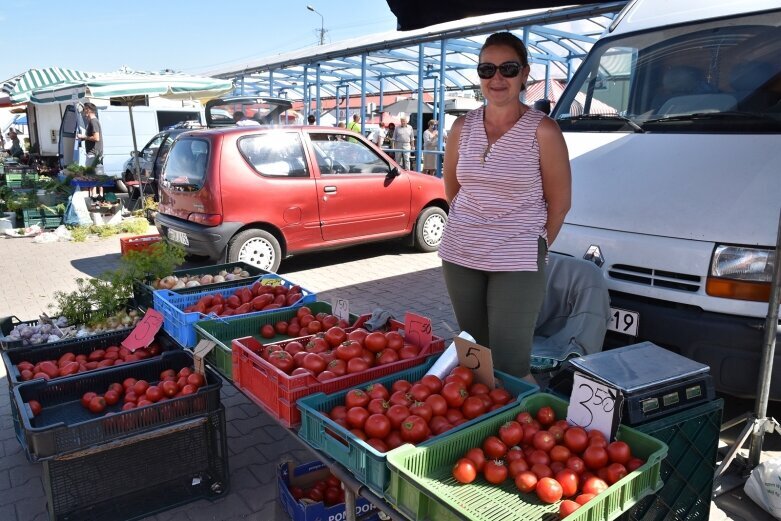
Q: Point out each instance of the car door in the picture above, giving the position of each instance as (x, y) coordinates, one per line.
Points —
(357, 195)
(162, 154)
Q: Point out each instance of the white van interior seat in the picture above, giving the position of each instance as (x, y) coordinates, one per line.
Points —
(749, 81)
(680, 81)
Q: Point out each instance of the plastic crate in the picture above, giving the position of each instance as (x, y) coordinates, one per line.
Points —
(141, 475)
(21, 180)
(305, 476)
(278, 392)
(180, 325)
(693, 439)
(80, 346)
(223, 333)
(65, 426)
(366, 463)
(137, 243)
(142, 290)
(422, 486)
(42, 217)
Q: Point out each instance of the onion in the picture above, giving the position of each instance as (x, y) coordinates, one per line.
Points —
(156, 284)
(218, 278)
(45, 329)
(52, 338)
(223, 273)
(168, 282)
(179, 285)
(192, 284)
(207, 279)
(244, 274)
(230, 276)
(236, 270)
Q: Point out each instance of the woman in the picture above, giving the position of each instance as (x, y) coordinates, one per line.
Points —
(430, 139)
(389, 139)
(507, 179)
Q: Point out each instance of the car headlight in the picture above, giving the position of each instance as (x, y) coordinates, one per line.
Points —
(741, 272)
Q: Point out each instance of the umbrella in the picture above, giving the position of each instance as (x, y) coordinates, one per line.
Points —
(406, 106)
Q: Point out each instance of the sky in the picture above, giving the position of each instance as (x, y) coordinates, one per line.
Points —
(190, 36)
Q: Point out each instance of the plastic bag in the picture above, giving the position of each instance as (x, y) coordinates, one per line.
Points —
(764, 486)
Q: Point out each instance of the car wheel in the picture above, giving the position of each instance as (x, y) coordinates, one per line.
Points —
(429, 228)
(255, 247)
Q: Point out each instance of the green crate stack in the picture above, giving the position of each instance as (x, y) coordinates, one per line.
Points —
(693, 439)
(43, 217)
(21, 180)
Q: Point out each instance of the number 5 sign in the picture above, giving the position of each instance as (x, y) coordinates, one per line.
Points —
(594, 405)
(417, 329)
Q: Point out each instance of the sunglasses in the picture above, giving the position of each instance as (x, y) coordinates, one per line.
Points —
(486, 71)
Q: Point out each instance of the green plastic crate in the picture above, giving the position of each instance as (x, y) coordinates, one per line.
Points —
(223, 333)
(366, 463)
(693, 440)
(21, 180)
(422, 487)
(42, 217)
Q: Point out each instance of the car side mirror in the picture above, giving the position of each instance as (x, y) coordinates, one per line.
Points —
(394, 172)
(133, 153)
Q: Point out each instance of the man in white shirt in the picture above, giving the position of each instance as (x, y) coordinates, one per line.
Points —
(243, 121)
(404, 138)
(378, 136)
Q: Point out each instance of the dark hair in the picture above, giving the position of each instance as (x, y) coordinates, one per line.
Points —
(311, 118)
(91, 107)
(508, 40)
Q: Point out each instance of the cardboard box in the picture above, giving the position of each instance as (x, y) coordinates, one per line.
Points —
(305, 476)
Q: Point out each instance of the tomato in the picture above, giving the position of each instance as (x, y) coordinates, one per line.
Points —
(526, 481)
(576, 464)
(524, 418)
(196, 380)
(513, 453)
(472, 407)
(433, 383)
(375, 342)
(538, 456)
(348, 350)
(401, 385)
(478, 388)
(494, 448)
(356, 417)
(414, 429)
(112, 397)
(340, 411)
(378, 406)
(400, 398)
(594, 485)
(464, 471)
(377, 426)
(454, 415)
(477, 456)
(325, 376)
(35, 407)
(582, 499)
(557, 432)
(465, 374)
(615, 472)
(495, 471)
(387, 356)
(511, 433)
(154, 393)
(331, 496)
(87, 398)
(454, 394)
(569, 481)
(437, 424)
(541, 471)
(128, 405)
(314, 363)
(422, 410)
(335, 336)
(634, 464)
(529, 430)
(543, 440)
(560, 453)
(557, 466)
(548, 490)
(517, 466)
(395, 341)
(357, 365)
(500, 396)
(595, 457)
(546, 416)
(268, 331)
(397, 414)
(576, 439)
(97, 405)
(393, 440)
(567, 507)
(378, 445)
(619, 452)
(358, 335)
(598, 442)
(438, 404)
(315, 495)
(282, 360)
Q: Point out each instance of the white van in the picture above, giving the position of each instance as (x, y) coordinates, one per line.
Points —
(673, 123)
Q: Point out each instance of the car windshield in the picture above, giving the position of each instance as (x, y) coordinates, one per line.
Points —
(185, 167)
(262, 111)
(717, 76)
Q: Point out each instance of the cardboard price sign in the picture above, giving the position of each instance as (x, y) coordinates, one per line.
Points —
(417, 329)
(144, 332)
(199, 353)
(477, 358)
(271, 282)
(594, 405)
(340, 308)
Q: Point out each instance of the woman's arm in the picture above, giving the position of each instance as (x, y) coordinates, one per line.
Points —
(556, 177)
(451, 160)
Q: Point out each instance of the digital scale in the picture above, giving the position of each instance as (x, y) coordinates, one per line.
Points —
(653, 381)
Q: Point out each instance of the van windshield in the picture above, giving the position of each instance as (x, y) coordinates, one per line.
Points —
(185, 167)
(720, 76)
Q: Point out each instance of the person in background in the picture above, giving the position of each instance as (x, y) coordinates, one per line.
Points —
(242, 120)
(93, 141)
(341, 124)
(404, 138)
(15, 150)
(310, 119)
(430, 140)
(355, 124)
(507, 179)
(378, 136)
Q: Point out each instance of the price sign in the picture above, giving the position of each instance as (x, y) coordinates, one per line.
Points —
(417, 329)
(271, 282)
(477, 358)
(594, 405)
(145, 331)
(340, 308)
(199, 353)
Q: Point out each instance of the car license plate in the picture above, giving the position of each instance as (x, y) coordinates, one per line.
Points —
(623, 321)
(178, 236)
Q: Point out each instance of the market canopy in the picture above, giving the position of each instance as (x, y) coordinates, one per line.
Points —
(20, 88)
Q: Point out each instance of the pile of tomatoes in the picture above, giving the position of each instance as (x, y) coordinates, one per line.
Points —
(70, 363)
(414, 412)
(336, 352)
(258, 297)
(328, 490)
(302, 324)
(549, 457)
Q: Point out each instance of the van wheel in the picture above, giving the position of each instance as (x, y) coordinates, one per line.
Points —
(429, 228)
(255, 247)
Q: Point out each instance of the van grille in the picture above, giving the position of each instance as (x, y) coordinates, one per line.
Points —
(657, 278)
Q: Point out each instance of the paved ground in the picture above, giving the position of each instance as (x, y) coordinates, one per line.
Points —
(382, 275)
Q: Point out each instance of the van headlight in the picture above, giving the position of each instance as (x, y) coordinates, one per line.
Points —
(740, 272)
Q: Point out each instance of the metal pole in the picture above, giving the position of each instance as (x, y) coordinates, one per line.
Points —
(318, 105)
(419, 123)
(136, 163)
(441, 114)
(363, 93)
(768, 355)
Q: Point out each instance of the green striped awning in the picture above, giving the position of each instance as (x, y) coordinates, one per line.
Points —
(21, 88)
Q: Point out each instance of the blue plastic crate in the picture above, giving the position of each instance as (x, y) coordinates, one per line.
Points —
(366, 463)
(181, 325)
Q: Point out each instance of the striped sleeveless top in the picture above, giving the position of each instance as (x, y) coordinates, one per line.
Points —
(499, 212)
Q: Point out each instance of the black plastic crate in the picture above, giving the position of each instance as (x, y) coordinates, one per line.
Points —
(142, 290)
(693, 439)
(65, 426)
(79, 346)
(142, 475)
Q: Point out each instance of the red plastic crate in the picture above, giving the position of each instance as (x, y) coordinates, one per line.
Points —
(137, 243)
(277, 392)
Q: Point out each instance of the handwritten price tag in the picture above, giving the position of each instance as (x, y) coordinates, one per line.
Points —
(417, 329)
(477, 358)
(340, 308)
(145, 331)
(594, 405)
(271, 282)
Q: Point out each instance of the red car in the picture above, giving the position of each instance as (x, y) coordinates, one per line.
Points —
(259, 194)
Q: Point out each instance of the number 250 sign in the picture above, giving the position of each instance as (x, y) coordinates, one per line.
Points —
(594, 405)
